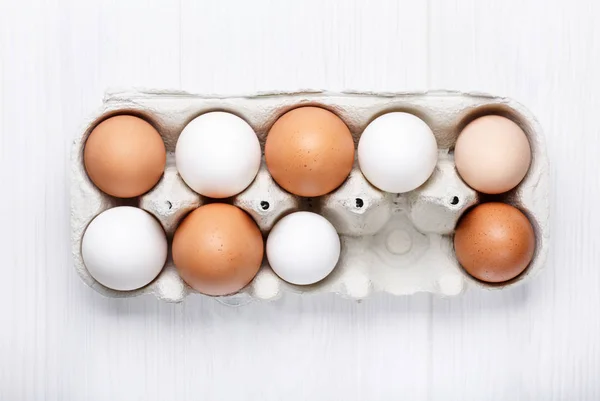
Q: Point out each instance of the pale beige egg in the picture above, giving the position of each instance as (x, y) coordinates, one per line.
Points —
(492, 154)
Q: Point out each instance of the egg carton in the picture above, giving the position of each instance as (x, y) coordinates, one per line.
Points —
(395, 243)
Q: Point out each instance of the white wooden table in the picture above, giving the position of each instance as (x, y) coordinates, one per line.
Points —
(59, 340)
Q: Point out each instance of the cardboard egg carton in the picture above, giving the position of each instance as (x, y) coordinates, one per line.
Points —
(395, 243)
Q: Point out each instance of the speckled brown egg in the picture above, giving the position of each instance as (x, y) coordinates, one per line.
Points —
(217, 249)
(494, 242)
(309, 151)
(124, 156)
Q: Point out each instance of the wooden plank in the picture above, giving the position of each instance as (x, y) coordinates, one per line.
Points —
(64, 341)
(275, 45)
(538, 341)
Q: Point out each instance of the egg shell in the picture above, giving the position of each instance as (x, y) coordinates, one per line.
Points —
(494, 242)
(397, 152)
(218, 154)
(124, 156)
(403, 249)
(124, 248)
(309, 151)
(303, 248)
(492, 154)
(217, 249)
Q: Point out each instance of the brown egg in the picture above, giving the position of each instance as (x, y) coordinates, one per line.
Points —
(218, 249)
(309, 151)
(124, 156)
(494, 242)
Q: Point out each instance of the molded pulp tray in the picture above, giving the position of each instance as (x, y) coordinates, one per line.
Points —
(400, 244)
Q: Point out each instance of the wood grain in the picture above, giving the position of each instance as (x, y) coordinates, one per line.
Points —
(534, 342)
(62, 341)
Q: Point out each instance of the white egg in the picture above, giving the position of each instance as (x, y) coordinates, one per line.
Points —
(218, 154)
(397, 152)
(124, 248)
(303, 248)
